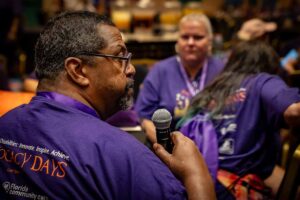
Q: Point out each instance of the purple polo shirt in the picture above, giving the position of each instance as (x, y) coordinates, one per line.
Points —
(248, 130)
(58, 148)
(248, 136)
(165, 87)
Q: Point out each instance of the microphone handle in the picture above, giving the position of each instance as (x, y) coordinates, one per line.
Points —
(164, 138)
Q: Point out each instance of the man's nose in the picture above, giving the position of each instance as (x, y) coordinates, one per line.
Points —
(130, 71)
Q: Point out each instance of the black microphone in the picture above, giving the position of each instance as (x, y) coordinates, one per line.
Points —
(162, 121)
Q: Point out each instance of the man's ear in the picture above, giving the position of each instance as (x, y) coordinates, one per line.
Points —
(76, 71)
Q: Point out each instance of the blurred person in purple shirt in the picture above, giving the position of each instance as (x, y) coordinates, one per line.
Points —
(172, 82)
(60, 147)
(235, 122)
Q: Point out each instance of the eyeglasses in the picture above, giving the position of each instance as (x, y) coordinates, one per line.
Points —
(125, 59)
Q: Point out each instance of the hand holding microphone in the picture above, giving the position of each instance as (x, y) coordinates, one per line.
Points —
(188, 165)
(162, 121)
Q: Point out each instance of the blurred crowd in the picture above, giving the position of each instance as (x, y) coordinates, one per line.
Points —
(21, 22)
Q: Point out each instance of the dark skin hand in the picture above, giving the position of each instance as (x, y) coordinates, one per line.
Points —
(188, 165)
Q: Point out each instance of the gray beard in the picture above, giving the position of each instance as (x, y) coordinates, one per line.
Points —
(126, 101)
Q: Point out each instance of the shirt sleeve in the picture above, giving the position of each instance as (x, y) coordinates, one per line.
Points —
(148, 98)
(276, 97)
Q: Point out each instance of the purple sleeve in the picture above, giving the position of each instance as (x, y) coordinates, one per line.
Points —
(276, 97)
(148, 99)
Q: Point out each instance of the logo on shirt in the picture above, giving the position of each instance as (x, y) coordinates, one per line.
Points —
(35, 158)
(21, 191)
(6, 186)
(182, 103)
(227, 147)
(230, 128)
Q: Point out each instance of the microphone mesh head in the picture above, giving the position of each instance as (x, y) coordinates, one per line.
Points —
(162, 118)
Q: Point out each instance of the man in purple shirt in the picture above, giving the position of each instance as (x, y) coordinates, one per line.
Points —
(59, 146)
(172, 82)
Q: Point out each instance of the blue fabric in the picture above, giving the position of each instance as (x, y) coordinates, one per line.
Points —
(55, 150)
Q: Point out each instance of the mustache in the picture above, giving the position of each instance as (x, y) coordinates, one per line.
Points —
(129, 85)
(126, 99)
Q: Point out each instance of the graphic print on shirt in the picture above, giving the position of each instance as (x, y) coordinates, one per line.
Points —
(227, 147)
(227, 122)
(182, 103)
(230, 128)
(21, 191)
(34, 158)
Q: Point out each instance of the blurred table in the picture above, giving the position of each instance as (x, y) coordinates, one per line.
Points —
(10, 100)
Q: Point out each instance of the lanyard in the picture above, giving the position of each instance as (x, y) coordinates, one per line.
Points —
(68, 101)
(193, 91)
